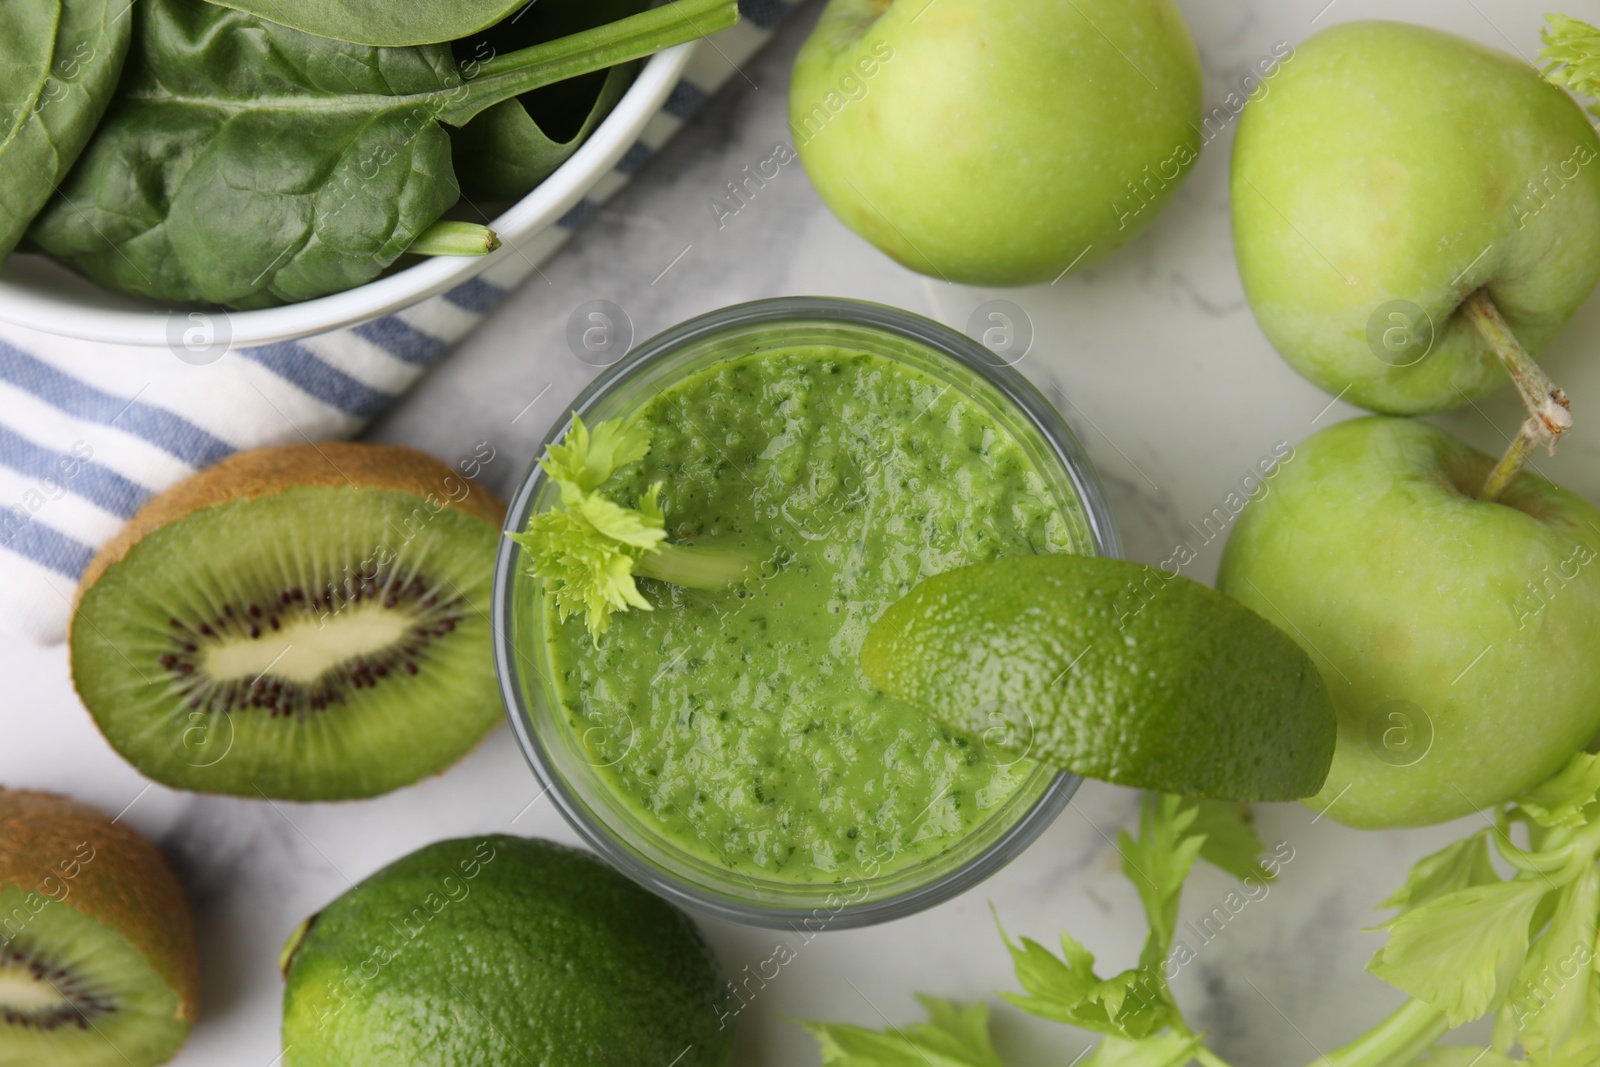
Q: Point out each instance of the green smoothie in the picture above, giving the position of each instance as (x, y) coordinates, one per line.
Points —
(738, 723)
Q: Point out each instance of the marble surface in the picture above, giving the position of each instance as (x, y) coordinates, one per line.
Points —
(1156, 362)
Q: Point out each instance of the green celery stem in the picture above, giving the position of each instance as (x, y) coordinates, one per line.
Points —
(1395, 1042)
(696, 568)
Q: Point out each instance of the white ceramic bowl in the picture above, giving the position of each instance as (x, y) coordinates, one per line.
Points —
(44, 296)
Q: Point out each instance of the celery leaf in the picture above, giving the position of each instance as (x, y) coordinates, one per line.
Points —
(953, 1036)
(1456, 866)
(1572, 54)
(1231, 843)
(1560, 801)
(585, 459)
(588, 549)
(1160, 859)
(1134, 1004)
(1065, 989)
(636, 528)
(1554, 994)
(587, 574)
(1462, 951)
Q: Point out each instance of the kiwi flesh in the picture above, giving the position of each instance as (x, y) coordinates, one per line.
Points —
(305, 623)
(98, 966)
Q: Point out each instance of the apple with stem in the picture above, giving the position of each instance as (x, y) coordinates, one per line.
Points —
(1452, 604)
(997, 142)
(1415, 215)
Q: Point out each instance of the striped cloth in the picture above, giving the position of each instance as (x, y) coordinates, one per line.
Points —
(89, 432)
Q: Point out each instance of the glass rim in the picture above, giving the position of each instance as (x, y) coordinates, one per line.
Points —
(972, 356)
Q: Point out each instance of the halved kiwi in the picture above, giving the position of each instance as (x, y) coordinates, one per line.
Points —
(310, 623)
(98, 966)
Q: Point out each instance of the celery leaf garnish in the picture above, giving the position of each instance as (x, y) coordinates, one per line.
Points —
(589, 549)
(584, 459)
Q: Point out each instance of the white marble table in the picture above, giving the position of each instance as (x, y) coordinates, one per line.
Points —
(1156, 362)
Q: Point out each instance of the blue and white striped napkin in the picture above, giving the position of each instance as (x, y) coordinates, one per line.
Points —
(89, 432)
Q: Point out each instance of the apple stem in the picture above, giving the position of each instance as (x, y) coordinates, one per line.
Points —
(1549, 413)
(1522, 448)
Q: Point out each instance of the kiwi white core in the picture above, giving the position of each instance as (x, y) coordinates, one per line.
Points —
(23, 992)
(308, 647)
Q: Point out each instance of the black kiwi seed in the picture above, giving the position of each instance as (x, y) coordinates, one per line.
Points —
(199, 627)
(79, 1007)
(431, 618)
(98, 965)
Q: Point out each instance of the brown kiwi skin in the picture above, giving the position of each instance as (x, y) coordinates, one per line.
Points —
(269, 471)
(124, 884)
(265, 472)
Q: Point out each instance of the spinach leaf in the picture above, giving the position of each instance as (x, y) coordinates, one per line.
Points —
(393, 25)
(248, 164)
(503, 154)
(59, 63)
(508, 150)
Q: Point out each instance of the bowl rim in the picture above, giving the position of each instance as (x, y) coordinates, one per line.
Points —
(79, 316)
(1015, 388)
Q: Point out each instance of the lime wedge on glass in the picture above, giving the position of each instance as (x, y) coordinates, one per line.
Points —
(1113, 670)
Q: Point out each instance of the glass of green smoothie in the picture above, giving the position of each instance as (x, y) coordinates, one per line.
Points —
(724, 748)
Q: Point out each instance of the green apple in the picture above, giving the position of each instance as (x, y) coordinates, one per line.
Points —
(1393, 173)
(997, 142)
(1459, 638)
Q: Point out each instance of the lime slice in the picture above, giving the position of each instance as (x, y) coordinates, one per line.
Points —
(1113, 670)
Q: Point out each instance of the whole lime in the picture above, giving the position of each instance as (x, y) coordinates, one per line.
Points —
(497, 951)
